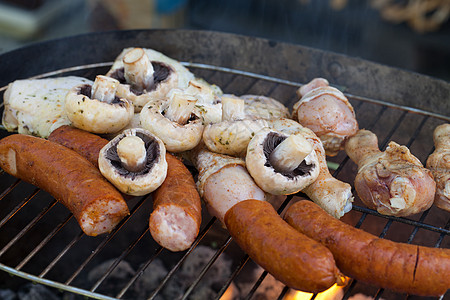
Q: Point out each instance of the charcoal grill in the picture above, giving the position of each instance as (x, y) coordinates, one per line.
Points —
(42, 243)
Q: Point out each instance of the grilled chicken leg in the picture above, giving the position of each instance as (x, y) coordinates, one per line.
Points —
(393, 182)
(439, 164)
(326, 111)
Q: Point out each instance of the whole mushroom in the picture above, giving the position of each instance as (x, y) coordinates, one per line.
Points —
(208, 106)
(330, 193)
(281, 164)
(173, 121)
(134, 161)
(147, 75)
(232, 135)
(97, 108)
(264, 107)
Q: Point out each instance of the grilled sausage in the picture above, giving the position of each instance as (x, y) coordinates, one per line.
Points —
(291, 257)
(68, 177)
(176, 217)
(399, 267)
(84, 143)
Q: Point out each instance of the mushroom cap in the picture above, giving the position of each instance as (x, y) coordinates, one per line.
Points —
(94, 115)
(135, 122)
(169, 73)
(264, 107)
(135, 183)
(205, 92)
(271, 180)
(331, 194)
(232, 137)
(184, 75)
(176, 137)
(208, 106)
(158, 91)
(209, 112)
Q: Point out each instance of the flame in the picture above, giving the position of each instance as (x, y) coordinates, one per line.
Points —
(335, 292)
(230, 293)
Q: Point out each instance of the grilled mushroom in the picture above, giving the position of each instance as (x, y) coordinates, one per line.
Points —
(281, 164)
(333, 195)
(97, 108)
(232, 135)
(208, 106)
(147, 75)
(134, 161)
(393, 182)
(326, 111)
(439, 164)
(264, 107)
(173, 121)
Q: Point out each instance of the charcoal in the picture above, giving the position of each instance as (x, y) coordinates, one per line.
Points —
(150, 279)
(115, 281)
(31, 291)
(209, 286)
(7, 295)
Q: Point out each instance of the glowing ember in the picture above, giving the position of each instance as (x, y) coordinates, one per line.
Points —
(335, 292)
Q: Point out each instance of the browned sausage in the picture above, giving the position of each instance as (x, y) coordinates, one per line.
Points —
(399, 267)
(176, 217)
(68, 177)
(85, 143)
(291, 257)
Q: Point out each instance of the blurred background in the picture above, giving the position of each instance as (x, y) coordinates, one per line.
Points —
(408, 34)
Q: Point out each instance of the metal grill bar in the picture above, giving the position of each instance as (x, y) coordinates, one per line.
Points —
(393, 129)
(402, 220)
(106, 240)
(8, 189)
(233, 276)
(179, 263)
(230, 81)
(416, 229)
(256, 285)
(138, 273)
(27, 227)
(206, 268)
(118, 260)
(43, 242)
(417, 131)
(18, 207)
(61, 254)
